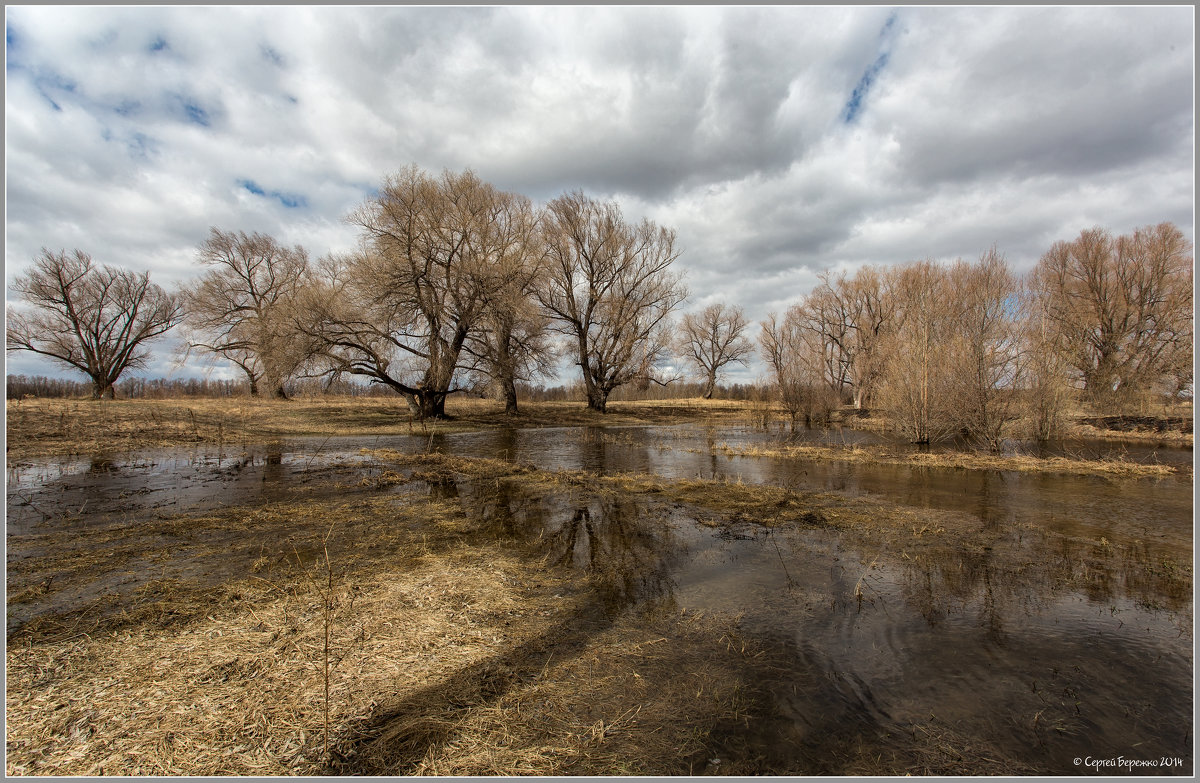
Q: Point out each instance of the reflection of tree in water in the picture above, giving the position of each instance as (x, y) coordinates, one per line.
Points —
(593, 452)
(442, 487)
(504, 444)
(621, 543)
(940, 582)
(102, 464)
(1008, 575)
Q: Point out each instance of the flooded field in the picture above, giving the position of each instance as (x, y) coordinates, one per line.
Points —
(835, 618)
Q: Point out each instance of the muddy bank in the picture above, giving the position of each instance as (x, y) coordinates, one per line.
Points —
(605, 612)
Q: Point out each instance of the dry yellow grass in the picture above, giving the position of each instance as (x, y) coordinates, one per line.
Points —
(241, 690)
(957, 460)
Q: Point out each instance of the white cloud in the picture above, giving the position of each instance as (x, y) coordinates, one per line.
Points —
(130, 131)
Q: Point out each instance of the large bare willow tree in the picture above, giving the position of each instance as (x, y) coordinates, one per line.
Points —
(242, 309)
(711, 340)
(983, 353)
(610, 290)
(917, 383)
(400, 311)
(96, 319)
(851, 316)
(1121, 309)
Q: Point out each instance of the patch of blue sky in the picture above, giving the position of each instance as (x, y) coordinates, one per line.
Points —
(54, 81)
(888, 25)
(196, 114)
(272, 56)
(55, 87)
(191, 110)
(289, 200)
(141, 146)
(159, 44)
(50, 85)
(853, 106)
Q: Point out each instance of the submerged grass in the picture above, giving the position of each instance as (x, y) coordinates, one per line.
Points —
(446, 654)
(202, 644)
(55, 427)
(48, 427)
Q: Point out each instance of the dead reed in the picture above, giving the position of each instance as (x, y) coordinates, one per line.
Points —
(955, 460)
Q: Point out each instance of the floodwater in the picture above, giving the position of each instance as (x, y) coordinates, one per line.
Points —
(996, 646)
(1023, 646)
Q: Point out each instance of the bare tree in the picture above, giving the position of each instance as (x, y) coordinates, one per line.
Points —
(871, 304)
(827, 319)
(1045, 377)
(983, 348)
(796, 357)
(513, 342)
(610, 290)
(94, 318)
(713, 339)
(916, 386)
(1121, 308)
(402, 308)
(241, 310)
(847, 316)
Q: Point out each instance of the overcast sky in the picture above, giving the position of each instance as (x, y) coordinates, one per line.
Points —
(778, 142)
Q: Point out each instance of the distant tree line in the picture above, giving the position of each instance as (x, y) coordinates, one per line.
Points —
(22, 386)
(677, 390)
(456, 287)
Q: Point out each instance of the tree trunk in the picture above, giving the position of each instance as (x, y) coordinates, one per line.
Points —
(510, 396)
(280, 393)
(427, 404)
(710, 386)
(102, 390)
(597, 399)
